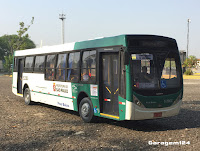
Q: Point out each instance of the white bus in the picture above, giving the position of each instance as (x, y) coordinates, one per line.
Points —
(126, 77)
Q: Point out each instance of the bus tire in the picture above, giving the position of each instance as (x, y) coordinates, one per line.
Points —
(86, 110)
(27, 97)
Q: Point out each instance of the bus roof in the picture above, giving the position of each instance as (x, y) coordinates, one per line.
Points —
(94, 43)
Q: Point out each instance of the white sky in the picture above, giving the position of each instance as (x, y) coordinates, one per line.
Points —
(88, 19)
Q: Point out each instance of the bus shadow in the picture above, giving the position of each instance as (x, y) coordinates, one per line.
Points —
(57, 108)
(186, 119)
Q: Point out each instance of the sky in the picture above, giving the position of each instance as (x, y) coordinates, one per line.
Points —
(88, 19)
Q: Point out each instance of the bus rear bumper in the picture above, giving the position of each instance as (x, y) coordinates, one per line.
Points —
(138, 113)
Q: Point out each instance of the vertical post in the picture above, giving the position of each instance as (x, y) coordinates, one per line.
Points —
(63, 32)
(62, 17)
(188, 22)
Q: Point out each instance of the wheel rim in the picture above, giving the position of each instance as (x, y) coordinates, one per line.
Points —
(85, 109)
(27, 96)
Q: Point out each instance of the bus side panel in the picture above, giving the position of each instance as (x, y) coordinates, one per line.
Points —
(122, 108)
(91, 90)
(54, 93)
(14, 85)
(34, 82)
(59, 94)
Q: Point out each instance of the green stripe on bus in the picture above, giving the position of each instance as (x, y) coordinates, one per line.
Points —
(103, 42)
(52, 94)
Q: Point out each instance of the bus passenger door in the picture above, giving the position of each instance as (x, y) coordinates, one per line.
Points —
(19, 77)
(110, 72)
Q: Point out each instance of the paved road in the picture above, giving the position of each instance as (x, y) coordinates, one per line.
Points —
(42, 127)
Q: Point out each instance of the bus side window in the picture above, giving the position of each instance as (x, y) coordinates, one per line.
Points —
(60, 68)
(50, 63)
(29, 64)
(73, 67)
(122, 87)
(15, 69)
(39, 64)
(88, 68)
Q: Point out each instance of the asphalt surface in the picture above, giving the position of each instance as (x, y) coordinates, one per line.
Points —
(42, 127)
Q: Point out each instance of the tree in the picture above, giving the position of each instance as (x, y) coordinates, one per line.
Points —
(22, 37)
(27, 44)
(190, 63)
(3, 48)
(9, 43)
(8, 62)
(20, 41)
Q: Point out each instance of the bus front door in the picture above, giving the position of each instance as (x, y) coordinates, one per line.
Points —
(19, 77)
(110, 72)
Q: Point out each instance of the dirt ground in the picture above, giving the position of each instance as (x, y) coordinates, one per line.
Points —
(42, 127)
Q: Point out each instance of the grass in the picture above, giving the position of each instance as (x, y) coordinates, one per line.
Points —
(195, 76)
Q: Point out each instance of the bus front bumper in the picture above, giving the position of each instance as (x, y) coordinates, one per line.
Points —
(134, 112)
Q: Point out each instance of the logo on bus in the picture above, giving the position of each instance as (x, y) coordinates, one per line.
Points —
(25, 77)
(54, 87)
(60, 88)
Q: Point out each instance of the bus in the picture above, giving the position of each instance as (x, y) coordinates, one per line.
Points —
(125, 77)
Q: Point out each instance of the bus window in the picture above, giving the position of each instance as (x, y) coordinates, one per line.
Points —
(73, 67)
(88, 68)
(122, 87)
(50, 63)
(60, 68)
(144, 73)
(39, 63)
(15, 65)
(170, 76)
(29, 63)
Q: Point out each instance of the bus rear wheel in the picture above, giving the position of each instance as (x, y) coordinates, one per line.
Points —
(86, 110)
(27, 97)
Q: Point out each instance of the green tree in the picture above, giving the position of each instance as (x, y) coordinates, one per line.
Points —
(190, 63)
(3, 48)
(22, 35)
(8, 62)
(9, 43)
(20, 41)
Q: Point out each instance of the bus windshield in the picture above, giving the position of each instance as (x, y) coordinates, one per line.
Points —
(157, 70)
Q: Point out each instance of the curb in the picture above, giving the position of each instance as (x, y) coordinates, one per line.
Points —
(191, 77)
(7, 75)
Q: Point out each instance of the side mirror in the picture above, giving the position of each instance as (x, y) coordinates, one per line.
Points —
(126, 58)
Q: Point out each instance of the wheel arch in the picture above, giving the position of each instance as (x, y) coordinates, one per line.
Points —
(81, 95)
(25, 86)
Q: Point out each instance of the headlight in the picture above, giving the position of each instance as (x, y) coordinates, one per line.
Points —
(177, 99)
(137, 102)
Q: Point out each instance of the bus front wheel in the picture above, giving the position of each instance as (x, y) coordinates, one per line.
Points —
(86, 110)
(27, 96)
